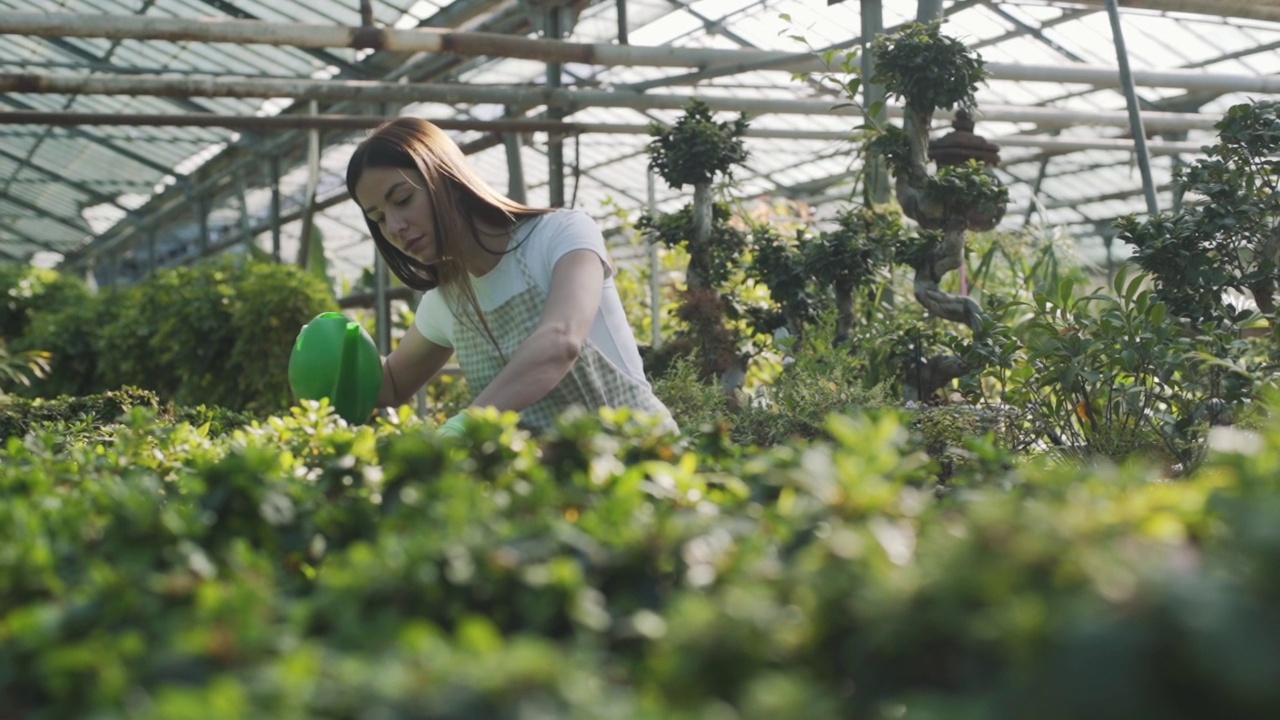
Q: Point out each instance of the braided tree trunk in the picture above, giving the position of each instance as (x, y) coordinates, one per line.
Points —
(926, 376)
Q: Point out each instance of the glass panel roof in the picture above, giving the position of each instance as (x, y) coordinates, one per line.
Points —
(71, 189)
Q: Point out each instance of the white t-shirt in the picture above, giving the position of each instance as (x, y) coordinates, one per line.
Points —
(543, 240)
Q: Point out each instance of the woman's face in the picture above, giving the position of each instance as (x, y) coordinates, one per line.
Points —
(395, 199)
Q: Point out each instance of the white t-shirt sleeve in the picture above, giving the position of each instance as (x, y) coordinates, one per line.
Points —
(434, 320)
(563, 232)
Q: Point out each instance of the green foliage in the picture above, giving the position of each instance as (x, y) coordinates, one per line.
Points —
(779, 263)
(72, 335)
(722, 256)
(25, 291)
(697, 148)
(20, 368)
(1224, 237)
(217, 334)
(1112, 376)
(92, 416)
(302, 567)
(967, 189)
(850, 255)
(891, 143)
(927, 69)
(796, 404)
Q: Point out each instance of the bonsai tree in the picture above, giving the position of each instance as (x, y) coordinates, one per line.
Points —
(1231, 240)
(698, 151)
(848, 256)
(929, 72)
(778, 262)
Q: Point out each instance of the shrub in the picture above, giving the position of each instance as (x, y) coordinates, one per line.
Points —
(214, 334)
(303, 567)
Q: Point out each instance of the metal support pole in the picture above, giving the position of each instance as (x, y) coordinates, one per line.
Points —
(877, 176)
(309, 202)
(555, 142)
(246, 227)
(929, 10)
(274, 172)
(515, 168)
(622, 22)
(381, 303)
(202, 218)
(151, 253)
(1135, 114)
(655, 272)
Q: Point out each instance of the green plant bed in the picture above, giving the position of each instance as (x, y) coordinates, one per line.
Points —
(298, 567)
(96, 414)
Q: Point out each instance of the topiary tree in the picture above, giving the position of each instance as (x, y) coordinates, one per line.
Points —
(850, 255)
(778, 262)
(929, 72)
(698, 151)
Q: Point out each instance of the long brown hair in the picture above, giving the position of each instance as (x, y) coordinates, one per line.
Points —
(459, 198)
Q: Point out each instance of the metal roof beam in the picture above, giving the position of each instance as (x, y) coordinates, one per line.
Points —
(207, 178)
(571, 99)
(1268, 10)
(327, 58)
(494, 45)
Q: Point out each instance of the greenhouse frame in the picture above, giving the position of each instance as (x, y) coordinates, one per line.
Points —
(139, 136)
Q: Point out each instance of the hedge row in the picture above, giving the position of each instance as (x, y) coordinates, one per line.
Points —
(302, 568)
(216, 334)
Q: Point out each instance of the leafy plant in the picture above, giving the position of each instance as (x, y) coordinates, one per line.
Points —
(849, 256)
(301, 567)
(695, 151)
(20, 368)
(1111, 376)
(216, 334)
(930, 71)
(1224, 238)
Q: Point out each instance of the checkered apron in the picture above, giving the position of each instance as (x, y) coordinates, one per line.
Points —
(593, 382)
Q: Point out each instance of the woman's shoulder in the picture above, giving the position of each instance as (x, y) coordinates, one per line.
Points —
(561, 218)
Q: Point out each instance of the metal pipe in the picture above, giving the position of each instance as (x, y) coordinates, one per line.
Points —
(1135, 114)
(655, 269)
(555, 142)
(1253, 9)
(928, 10)
(1163, 120)
(515, 168)
(381, 303)
(622, 22)
(876, 183)
(309, 197)
(497, 45)
(507, 95)
(414, 40)
(274, 171)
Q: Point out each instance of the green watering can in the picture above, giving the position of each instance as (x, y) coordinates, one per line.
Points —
(335, 358)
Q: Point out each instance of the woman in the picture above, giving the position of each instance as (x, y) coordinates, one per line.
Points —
(524, 296)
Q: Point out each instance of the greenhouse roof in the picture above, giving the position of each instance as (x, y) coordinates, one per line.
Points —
(124, 126)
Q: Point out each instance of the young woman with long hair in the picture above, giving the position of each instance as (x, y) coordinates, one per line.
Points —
(523, 296)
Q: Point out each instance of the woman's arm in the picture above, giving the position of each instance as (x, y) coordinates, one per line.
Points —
(414, 361)
(546, 356)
